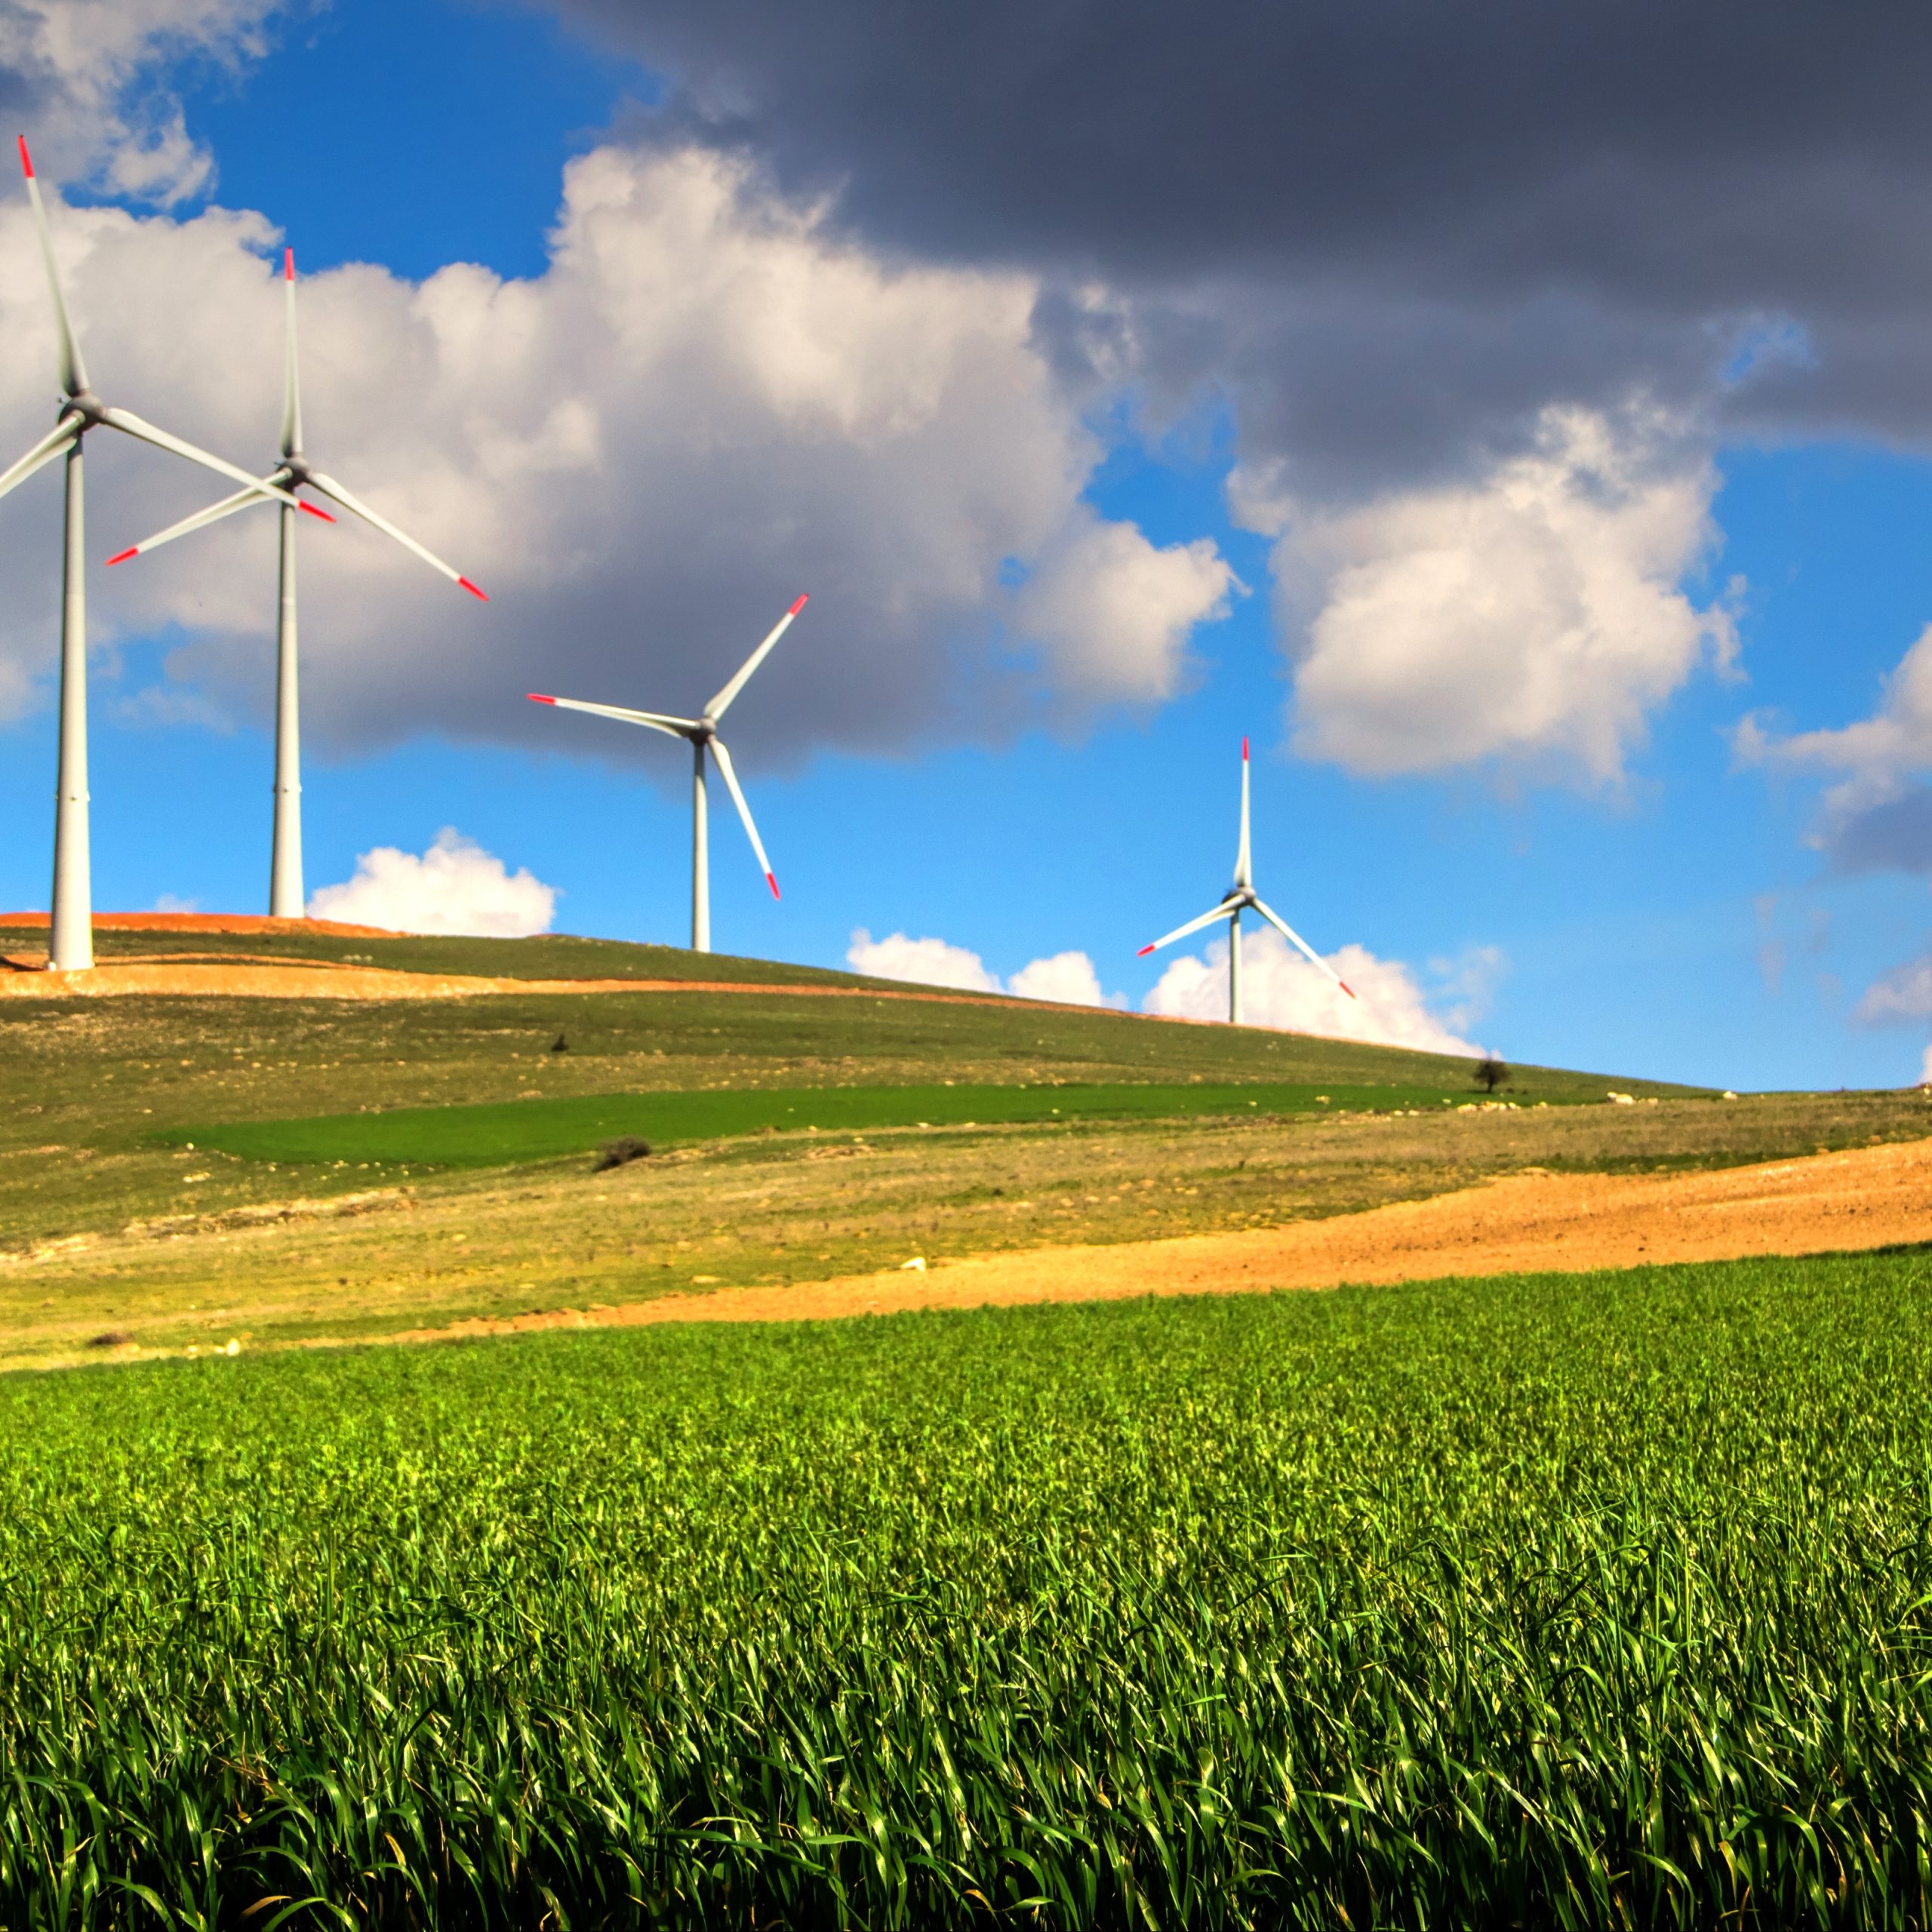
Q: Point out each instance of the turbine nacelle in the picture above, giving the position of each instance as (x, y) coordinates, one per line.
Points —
(292, 472)
(1239, 898)
(702, 733)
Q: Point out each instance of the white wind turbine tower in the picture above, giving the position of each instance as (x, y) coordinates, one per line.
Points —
(702, 733)
(72, 939)
(285, 896)
(1239, 897)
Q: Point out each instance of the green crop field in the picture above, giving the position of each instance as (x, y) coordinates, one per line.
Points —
(482, 1136)
(1590, 1600)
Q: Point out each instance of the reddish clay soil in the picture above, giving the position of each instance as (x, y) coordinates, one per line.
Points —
(1527, 1223)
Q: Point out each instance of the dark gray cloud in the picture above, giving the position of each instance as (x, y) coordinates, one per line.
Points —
(1693, 152)
(1895, 836)
(1388, 229)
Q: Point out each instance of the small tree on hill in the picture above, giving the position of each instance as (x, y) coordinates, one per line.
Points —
(621, 1152)
(1490, 1075)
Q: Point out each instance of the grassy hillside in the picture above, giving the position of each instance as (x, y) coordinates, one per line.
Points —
(112, 1225)
(531, 1130)
(1580, 1601)
(108, 1077)
(546, 956)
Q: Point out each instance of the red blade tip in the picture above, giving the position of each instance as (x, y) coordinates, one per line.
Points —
(773, 883)
(799, 605)
(1244, 751)
(1143, 952)
(133, 550)
(537, 697)
(288, 265)
(472, 589)
(27, 160)
(1346, 988)
(300, 505)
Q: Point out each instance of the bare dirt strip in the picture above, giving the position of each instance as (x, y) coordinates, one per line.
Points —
(1527, 1223)
(326, 979)
(241, 975)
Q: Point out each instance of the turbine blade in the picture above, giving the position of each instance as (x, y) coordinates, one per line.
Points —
(1192, 926)
(722, 703)
(56, 442)
(291, 387)
(130, 424)
(1295, 940)
(731, 777)
(73, 372)
(1243, 866)
(242, 499)
(656, 721)
(330, 487)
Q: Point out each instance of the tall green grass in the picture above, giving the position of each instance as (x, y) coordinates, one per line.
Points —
(478, 1135)
(1588, 1601)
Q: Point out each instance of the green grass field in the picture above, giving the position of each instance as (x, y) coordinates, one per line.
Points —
(530, 1130)
(93, 1093)
(1590, 1600)
(116, 1234)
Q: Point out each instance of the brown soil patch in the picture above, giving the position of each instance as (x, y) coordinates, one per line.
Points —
(319, 979)
(1525, 1224)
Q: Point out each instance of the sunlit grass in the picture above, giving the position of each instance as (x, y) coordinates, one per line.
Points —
(1591, 1600)
(501, 1136)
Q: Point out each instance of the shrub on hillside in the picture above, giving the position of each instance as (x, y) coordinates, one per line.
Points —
(621, 1152)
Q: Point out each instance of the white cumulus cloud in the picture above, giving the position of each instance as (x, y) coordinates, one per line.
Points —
(1114, 613)
(83, 83)
(926, 962)
(710, 400)
(1534, 615)
(1877, 754)
(1066, 978)
(1279, 988)
(455, 887)
(1901, 997)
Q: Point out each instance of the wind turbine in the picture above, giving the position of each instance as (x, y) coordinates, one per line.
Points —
(1238, 897)
(702, 733)
(71, 947)
(285, 898)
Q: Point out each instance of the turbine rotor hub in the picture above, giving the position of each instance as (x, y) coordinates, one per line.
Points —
(87, 406)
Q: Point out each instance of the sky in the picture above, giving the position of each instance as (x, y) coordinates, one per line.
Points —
(1519, 435)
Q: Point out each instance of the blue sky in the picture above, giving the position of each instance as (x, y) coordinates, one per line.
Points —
(1677, 921)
